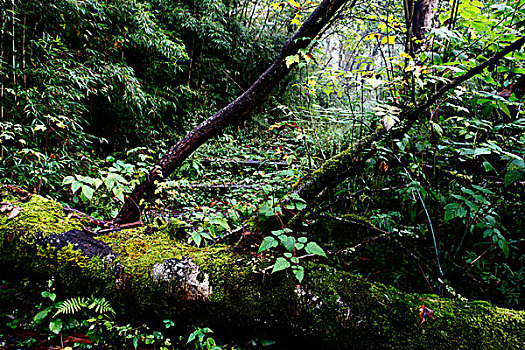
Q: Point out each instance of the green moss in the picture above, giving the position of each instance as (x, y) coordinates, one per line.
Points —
(331, 170)
(139, 252)
(174, 228)
(378, 314)
(334, 307)
(38, 214)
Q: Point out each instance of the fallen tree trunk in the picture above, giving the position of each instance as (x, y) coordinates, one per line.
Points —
(146, 270)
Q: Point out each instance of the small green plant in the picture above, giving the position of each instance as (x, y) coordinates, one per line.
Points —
(293, 246)
(104, 192)
(73, 307)
(93, 317)
(200, 339)
(211, 225)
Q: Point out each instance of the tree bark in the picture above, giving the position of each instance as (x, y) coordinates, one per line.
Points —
(422, 20)
(152, 274)
(237, 111)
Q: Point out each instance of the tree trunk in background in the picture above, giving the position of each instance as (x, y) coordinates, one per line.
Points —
(236, 112)
(422, 20)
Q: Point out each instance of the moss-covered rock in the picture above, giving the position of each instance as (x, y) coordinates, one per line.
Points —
(156, 274)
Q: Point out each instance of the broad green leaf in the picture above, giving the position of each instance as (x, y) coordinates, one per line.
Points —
(196, 237)
(68, 180)
(50, 295)
(119, 193)
(266, 210)
(314, 248)
(512, 176)
(277, 232)
(488, 167)
(109, 182)
(457, 196)
(504, 247)
(454, 210)
(266, 342)
(192, 337)
(374, 83)
(55, 326)
(481, 150)
(299, 246)
(75, 186)
(221, 221)
(205, 234)
(88, 192)
(300, 206)
(389, 39)
(288, 242)
(299, 273)
(39, 317)
(519, 163)
(291, 60)
(267, 243)
(481, 199)
(97, 183)
(388, 121)
(302, 239)
(506, 110)
(280, 264)
(472, 206)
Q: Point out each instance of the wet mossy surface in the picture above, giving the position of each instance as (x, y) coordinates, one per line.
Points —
(330, 308)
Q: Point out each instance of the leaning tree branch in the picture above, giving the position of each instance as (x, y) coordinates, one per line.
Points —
(236, 112)
(516, 45)
(353, 160)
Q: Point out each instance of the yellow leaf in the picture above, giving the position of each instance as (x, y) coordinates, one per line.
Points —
(405, 55)
(389, 39)
(294, 3)
(291, 60)
(296, 20)
(371, 36)
(312, 83)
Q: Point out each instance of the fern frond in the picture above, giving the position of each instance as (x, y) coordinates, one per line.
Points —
(71, 306)
(101, 305)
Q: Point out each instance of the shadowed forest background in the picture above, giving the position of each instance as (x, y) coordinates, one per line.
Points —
(389, 145)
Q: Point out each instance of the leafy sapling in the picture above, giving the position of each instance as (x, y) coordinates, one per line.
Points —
(293, 246)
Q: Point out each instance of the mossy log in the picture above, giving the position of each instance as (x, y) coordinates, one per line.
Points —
(147, 270)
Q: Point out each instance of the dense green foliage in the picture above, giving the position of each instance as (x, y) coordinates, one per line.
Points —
(94, 91)
(97, 76)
